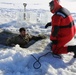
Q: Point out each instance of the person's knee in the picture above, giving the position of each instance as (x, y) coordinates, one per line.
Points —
(53, 48)
(59, 50)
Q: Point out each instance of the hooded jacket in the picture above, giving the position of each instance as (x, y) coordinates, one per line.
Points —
(63, 27)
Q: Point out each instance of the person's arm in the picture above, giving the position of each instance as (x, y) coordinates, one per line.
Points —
(48, 24)
(55, 27)
(54, 35)
(10, 41)
(39, 37)
(55, 31)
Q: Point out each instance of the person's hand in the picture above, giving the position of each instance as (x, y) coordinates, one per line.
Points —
(42, 36)
(48, 24)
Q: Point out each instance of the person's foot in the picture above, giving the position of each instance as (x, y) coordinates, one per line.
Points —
(72, 61)
(74, 56)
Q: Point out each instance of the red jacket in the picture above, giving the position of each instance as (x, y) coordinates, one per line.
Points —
(63, 28)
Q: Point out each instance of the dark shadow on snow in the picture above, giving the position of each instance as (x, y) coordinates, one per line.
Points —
(47, 59)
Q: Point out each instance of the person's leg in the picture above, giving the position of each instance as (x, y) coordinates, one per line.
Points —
(72, 49)
(63, 50)
(59, 50)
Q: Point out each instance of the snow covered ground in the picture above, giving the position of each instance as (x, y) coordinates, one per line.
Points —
(19, 61)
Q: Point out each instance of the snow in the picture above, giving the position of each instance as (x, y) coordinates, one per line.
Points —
(19, 61)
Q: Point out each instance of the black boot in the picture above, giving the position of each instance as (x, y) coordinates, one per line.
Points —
(72, 49)
(74, 55)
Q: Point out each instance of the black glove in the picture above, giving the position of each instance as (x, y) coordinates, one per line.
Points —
(48, 24)
(54, 41)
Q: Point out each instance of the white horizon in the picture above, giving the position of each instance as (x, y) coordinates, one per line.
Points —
(36, 4)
